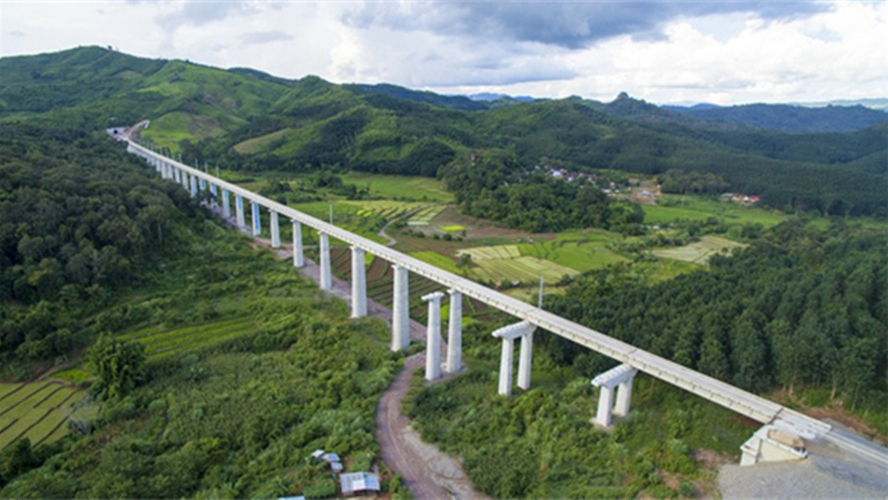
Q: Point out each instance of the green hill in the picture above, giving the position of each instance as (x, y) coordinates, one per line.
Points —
(247, 119)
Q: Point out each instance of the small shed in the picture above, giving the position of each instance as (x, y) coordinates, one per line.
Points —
(357, 482)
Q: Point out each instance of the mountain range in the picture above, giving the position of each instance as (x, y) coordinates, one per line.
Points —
(831, 159)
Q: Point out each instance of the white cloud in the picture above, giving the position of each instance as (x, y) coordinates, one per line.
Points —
(724, 52)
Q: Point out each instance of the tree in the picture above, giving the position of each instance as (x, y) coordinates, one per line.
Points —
(119, 366)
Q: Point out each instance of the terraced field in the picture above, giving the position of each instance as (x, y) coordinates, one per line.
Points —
(34, 410)
(387, 209)
(699, 252)
(160, 342)
(424, 217)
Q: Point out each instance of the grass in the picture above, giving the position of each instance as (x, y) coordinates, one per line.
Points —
(699, 252)
(453, 229)
(33, 410)
(400, 187)
(699, 208)
(159, 342)
(578, 251)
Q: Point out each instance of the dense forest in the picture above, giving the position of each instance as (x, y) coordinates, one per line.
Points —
(491, 185)
(802, 306)
(78, 220)
(231, 416)
(248, 120)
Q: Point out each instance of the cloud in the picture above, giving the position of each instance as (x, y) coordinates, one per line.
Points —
(203, 12)
(261, 37)
(571, 25)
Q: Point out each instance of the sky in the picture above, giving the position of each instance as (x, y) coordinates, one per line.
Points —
(663, 51)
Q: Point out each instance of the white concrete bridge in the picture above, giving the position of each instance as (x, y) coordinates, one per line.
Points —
(633, 359)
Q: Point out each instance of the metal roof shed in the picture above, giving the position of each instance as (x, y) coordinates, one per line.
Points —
(358, 481)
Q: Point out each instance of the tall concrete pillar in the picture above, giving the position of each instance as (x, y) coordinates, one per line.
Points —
(226, 205)
(605, 406)
(326, 271)
(214, 194)
(298, 256)
(620, 378)
(401, 310)
(257, 222)
(509, 334)
(275, 230)
(193, 186)
(624, 397)
(524, 361)
(454, 333)
(433, 336)
(203, 184)
(359, 283)
(239, 209)
(505, 374)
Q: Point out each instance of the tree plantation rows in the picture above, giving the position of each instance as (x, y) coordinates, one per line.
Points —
(801, 307)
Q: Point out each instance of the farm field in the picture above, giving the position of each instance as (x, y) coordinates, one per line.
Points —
(505, 262)
(34, 410)
(699, 252)
(582, 251)
(699, 208)
(399, 187)
(387, 209)
(424, 217)
(159, 342)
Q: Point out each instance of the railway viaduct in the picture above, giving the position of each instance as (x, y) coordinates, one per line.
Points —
(777, 420)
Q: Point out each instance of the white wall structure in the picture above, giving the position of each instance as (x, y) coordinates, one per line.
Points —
(433, 336)
(454, 333)
(724, 394)
(298, 255)
(359, 283)
(326, 278)
(275, 230)
(620, 378)
(521, 330)
(401, 310)
(257, 220)
(771, 444)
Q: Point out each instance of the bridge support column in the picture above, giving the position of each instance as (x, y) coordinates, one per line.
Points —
(298, 256)
(454, 333)
(239, 208)
(359, 283)
(509, 333)
(401, 310)
(214, 193)
(326, 277)
(257, 221)
(619, 378)
(203, 184)
(193, 186)
(226, 205)
(433, 336)
(275, 230)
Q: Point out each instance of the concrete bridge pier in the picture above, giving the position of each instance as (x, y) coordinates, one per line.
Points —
(454, 333)
(433, 336)
(522, 330)
(203, 185)
(257, 222)
(214, 201)
(326, 271)
(298, 256)
(359, 283)
(275, 230)
(401, 310)
(194, 186)
(620, 378)
(239, 208)
(226, 205)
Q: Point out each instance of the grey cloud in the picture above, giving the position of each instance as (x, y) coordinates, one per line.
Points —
(261, 37)
(203, 12)
(570, 25)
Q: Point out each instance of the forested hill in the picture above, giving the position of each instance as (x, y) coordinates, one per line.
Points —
(786, 118)
(249, 119)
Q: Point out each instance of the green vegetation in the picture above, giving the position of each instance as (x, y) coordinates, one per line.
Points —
(699, 252)
(699, 208)
(36, 411)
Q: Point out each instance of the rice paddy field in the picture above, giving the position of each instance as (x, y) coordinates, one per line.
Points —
(399, 187)
(699, 252)
(699, 208)
(505, 262)
(36, 410)
(424, 217)
(159, 342)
